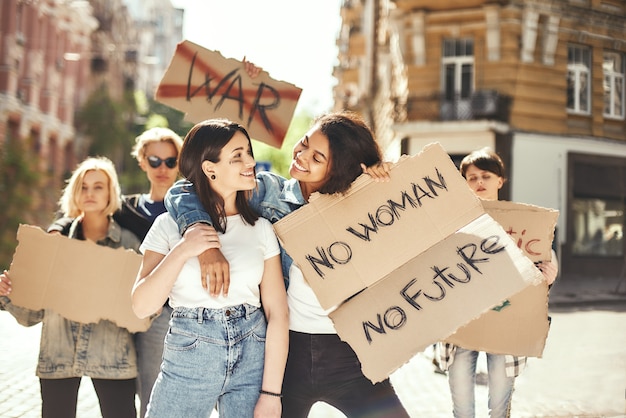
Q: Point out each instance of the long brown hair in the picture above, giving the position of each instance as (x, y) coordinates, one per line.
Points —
(204, 142)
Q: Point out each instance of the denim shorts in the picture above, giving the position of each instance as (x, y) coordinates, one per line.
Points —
(212, 357)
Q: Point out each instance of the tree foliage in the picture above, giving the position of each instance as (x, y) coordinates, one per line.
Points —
(19, 182)
(280, 159)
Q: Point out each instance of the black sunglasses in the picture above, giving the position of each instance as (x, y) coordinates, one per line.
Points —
(155, 162)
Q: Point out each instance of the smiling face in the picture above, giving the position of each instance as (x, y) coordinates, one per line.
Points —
(235, 169)
(311, 160)
(483, 183)
(94, 193)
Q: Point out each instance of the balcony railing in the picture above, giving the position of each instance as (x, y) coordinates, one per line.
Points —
(482, 104)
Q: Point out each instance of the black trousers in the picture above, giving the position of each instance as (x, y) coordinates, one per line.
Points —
(59, 397)
(321, 367)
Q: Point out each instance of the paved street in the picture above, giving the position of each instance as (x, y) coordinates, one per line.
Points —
(582, 373)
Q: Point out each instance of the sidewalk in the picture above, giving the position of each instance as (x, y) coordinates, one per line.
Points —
(424, 393)
(576, 290)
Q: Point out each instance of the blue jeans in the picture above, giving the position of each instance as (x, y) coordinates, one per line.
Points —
(321, 367)
(211, 357)
(462, 380)
(149, 346)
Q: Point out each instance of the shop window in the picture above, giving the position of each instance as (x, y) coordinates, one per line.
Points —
(598, 227)
(597, 205)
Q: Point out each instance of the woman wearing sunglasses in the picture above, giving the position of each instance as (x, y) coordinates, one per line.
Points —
(156, 151)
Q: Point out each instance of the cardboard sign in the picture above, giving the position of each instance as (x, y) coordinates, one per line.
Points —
(415, 258)
(79, 280)
(354, 240)
(205, 85)
(431, 296)
(519, 326)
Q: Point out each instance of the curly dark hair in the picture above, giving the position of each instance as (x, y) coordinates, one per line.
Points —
(351, 143)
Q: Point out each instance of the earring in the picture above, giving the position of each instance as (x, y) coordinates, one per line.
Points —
(212, 176)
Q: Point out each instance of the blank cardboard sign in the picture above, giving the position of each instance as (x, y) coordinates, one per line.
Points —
(79, 280)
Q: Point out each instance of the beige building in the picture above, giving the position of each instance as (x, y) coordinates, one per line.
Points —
(55, 53)
(539, 81)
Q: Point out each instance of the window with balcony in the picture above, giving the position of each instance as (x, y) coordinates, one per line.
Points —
(578, 79)
(457, 64)
(613, 68)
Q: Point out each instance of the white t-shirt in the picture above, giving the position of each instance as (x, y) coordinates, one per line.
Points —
(246, 248)
(305, 312)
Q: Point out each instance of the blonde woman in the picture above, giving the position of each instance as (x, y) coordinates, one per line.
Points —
(156, 151)
(70, 350)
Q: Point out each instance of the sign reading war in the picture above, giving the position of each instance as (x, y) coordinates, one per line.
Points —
(205, 85)
(404, 263)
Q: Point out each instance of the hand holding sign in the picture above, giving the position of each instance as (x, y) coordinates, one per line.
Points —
(204, 85)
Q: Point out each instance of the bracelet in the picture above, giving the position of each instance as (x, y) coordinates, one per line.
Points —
(264, 392)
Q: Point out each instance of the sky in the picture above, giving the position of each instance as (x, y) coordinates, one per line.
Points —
(293, 41)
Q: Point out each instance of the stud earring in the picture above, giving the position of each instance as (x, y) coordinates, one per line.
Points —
(212, 176)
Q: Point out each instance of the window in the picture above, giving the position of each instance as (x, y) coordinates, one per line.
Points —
(598, 227)
(458, 78)
(578, 78)
(597, 206)
(613, 68)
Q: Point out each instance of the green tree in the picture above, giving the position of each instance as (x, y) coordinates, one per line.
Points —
(19, 182)
(280, 159)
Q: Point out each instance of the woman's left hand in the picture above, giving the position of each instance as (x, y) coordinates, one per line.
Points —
(379, 172)
(5, 284)
(268, 407)
(549, 270)
(252, 70)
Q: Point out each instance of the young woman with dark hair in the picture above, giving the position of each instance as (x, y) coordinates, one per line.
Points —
(320, 367)
(223, 352)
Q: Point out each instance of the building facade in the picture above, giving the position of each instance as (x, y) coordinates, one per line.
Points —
(160, 29)
(55, 53)
(539, 81)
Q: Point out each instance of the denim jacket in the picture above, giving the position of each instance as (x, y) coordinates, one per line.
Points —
(274, 198)
(73, 349)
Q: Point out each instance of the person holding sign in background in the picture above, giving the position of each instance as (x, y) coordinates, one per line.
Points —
(218, 351)
(69, 349)
(485, 174)
(320, 367)
(156, 151)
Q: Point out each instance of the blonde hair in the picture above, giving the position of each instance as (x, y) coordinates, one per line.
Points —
(69, 200)
(156, 134)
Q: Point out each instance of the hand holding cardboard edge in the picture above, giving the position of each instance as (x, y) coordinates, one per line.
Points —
(80, 280)
(204, 85)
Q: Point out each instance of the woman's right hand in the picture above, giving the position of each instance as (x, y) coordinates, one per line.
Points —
(198, 238)
(5, 284)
